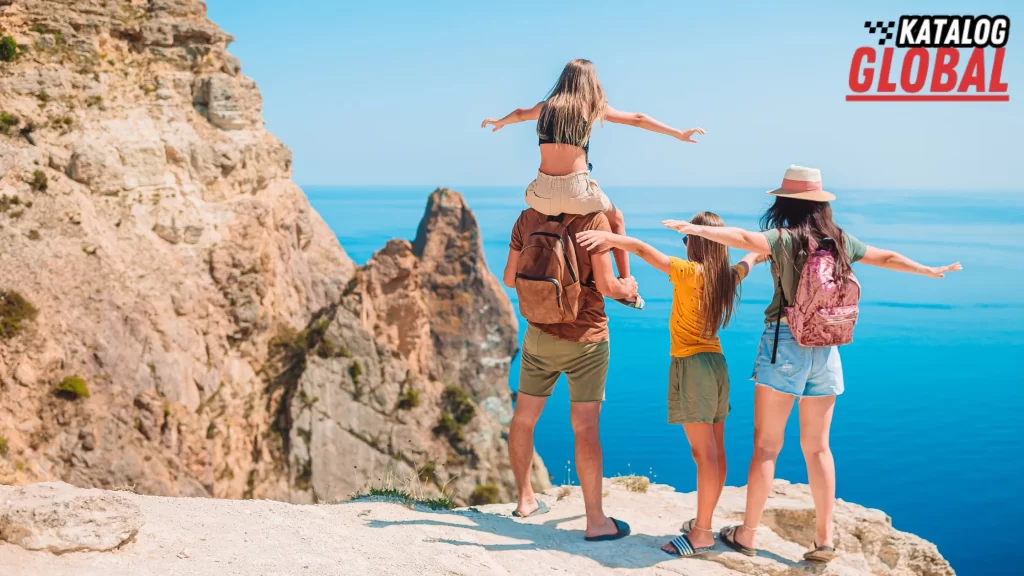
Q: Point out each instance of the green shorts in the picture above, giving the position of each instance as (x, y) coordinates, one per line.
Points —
(545, 358)
(698, 389)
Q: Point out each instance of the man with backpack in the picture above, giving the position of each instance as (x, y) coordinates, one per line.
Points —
(561, 291)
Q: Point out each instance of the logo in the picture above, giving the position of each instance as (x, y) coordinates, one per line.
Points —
(935, 58)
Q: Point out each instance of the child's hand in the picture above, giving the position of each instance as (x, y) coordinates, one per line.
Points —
(687, 135)
(595, 239)
(681, 226)
(493, 121)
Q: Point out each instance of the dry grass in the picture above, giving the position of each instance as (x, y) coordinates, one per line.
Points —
(411, 491)
(634, 483)
(564, 492)
(125, 488)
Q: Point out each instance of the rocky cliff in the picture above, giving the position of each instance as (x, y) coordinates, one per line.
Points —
(173, 314)
(204, 537)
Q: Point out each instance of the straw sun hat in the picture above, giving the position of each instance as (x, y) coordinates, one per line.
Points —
(803, 184)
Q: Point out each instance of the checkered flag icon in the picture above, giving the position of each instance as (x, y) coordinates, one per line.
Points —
(882, 28)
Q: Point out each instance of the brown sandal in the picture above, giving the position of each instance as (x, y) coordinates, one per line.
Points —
(823, 554)
(728, 535)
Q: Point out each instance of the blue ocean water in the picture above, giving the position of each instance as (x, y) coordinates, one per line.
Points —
(931, 426)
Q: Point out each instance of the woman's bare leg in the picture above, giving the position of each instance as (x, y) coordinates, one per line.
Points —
(722, 465)
(771, 411)
(815, 422)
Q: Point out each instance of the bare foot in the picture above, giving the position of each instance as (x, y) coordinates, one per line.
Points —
(744, 536)
(605, 528)
(701, 537)
(527, 506)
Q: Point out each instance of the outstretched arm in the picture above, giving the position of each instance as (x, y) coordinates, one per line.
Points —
(513, 117)
(607, 283)
(644, 121)
(596, 239)
(749, 261)
(891, 260)
(732, 237)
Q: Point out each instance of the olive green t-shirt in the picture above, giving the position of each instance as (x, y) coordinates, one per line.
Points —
(782, 253)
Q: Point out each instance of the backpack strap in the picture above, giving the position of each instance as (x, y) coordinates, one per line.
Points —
(778, 318)
(782, 304)
(563, 219)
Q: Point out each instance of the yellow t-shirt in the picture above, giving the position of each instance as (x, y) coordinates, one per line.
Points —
(686, 323)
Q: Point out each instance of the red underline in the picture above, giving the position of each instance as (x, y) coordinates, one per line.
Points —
(927, 97)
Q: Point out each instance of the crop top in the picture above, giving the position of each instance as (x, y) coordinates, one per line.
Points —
(548, 137)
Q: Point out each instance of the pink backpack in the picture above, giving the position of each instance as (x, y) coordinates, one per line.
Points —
(823, 311)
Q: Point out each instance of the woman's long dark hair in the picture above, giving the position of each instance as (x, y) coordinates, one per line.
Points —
(721, 285)
(804, 219)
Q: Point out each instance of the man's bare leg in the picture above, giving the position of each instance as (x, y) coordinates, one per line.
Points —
(589, 466)
(520, 449)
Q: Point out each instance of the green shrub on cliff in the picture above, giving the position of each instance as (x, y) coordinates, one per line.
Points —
(484, 494)
(456, 411)
(14, 311)
(456, 402)
(8, 49)
(355, 371)
(73, 388)
(39, 181)
(409, 399)
(7, 122)
(4, 449)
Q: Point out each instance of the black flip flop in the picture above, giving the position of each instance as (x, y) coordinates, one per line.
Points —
(622, 531)
(727, 535)
(823, 554)
(685, 548)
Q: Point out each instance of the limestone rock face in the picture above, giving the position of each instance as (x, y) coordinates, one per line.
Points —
(377, 402)
(150, 223)
(471, 320)
(56, 517)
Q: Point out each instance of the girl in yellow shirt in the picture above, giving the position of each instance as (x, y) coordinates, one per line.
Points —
(706, 289)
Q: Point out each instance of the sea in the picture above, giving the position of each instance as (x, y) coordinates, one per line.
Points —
(930, 428)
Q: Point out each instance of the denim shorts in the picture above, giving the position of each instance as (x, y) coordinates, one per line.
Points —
(798, 370)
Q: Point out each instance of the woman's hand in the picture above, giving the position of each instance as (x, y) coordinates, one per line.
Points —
(493, 121)
(940, 271)
(596, 239)
(681, 226)
(687, 135)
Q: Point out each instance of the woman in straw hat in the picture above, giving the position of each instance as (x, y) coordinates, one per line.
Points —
(799, 220)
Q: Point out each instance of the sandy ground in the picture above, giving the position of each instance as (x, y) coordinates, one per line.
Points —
(189, 536)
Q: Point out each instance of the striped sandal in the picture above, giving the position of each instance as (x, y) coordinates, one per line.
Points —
(685, 549)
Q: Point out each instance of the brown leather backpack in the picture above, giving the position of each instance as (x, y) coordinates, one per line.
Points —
(548, 280)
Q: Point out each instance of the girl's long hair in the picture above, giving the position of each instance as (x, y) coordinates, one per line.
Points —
(574, 104)
(721, 283)
(805, 219)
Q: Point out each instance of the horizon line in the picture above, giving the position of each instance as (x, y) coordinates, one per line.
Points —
(456, 187)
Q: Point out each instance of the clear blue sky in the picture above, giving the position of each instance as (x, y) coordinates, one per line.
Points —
(392, 93)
